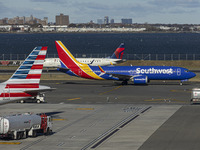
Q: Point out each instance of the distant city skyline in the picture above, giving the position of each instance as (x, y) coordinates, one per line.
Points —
(150, 11)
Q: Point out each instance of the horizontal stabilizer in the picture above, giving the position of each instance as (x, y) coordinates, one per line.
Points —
(39, 91)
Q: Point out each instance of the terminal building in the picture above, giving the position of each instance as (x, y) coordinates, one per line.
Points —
(126, 21)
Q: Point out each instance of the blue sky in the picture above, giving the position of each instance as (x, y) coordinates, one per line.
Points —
(82, 11)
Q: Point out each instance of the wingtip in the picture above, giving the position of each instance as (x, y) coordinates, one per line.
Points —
(101, 69)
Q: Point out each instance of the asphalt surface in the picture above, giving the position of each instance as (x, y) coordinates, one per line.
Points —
(106, 115)
(180, 132)
(94, 92)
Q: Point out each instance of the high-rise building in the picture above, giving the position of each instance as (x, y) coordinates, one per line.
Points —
(46, 20)
(126, 21)
(106, 20)
(62, 20)
(31, 17)
(112, 21)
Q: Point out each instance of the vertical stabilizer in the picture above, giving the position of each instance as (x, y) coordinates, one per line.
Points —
(68, 61)
(30, 70)
(118, 54)
(66, 57)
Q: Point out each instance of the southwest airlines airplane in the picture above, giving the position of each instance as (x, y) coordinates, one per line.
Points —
(24, 83)
(113, 60)
(136, 74)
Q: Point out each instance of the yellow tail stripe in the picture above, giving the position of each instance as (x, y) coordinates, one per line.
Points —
(68, 52)
(90, 72)
(83, 67)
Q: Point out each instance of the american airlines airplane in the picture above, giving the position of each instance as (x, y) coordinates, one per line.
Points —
(135, 74)
(24, 83)
(113, 60)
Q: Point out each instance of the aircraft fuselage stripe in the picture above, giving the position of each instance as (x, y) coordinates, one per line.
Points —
(17, 95)
(30, 85)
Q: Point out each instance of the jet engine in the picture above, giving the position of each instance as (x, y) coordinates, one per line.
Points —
(140, 80)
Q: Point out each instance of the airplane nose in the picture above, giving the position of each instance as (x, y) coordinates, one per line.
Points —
(192, 74)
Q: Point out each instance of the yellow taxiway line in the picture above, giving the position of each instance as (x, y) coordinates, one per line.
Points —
(151, 100)
(185, 91)
(165, 100)
(56, 119)
(11, 143)
(71, 99)
(110, 90)
(84, 108)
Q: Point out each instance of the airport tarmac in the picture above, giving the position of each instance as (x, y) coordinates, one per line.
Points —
(104, 115)
(101, 92)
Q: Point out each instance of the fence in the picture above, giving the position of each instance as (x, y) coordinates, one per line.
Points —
(125, 56)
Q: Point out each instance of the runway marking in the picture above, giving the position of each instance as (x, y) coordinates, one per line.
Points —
(11, 143)
(71, 99)
(185, 91)
(84, 108)
(165, 100)
(56, 119)
(151, 100)
(110, 90)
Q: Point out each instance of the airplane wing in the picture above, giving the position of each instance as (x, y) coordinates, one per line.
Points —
(41, 89)
(120, 76)
(63, 69)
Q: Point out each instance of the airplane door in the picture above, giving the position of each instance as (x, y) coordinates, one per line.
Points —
(6, 94)
(131, 72)
(178, 72)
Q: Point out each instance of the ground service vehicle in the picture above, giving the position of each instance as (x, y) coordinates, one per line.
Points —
(195, 97)
(40, 98)
(23, 125)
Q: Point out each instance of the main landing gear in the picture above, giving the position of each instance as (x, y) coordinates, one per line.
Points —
(125, 82)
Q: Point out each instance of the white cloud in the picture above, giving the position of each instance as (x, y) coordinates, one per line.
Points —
(86, 10)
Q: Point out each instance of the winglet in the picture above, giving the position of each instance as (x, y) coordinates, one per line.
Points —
(101, 69)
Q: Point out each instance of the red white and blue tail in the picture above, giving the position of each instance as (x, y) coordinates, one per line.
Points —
(24, 83)
(118, 54)
(30, 70)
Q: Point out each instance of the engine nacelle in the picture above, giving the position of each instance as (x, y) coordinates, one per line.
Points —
(140, 80)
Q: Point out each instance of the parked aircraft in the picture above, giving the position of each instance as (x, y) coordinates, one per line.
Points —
(136, 74)
(24, 83)
(112, 60)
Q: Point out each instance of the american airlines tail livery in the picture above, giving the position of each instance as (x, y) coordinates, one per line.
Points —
(113, 60)
(24, 83)
(135, 74)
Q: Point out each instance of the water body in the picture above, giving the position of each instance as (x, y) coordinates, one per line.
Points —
(101, 43)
